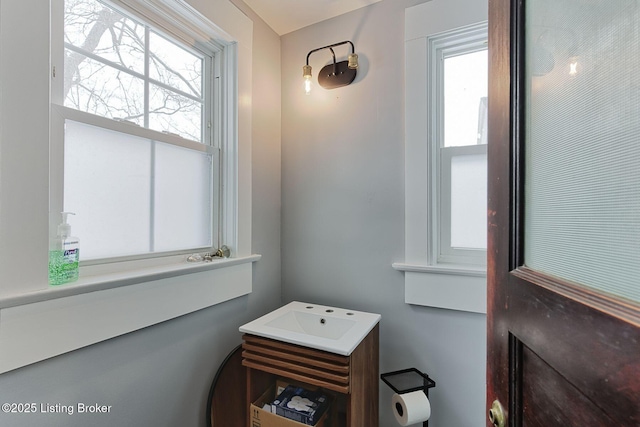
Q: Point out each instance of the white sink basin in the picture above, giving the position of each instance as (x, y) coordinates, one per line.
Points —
(332, 329)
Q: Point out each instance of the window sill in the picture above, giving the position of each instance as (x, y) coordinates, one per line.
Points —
(452, 287)
(59, 319)
(97, 281)
(459, 270)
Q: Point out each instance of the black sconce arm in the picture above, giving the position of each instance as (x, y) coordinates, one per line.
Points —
(353, 49)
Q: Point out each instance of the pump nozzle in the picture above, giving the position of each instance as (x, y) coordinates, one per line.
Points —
(64, 229)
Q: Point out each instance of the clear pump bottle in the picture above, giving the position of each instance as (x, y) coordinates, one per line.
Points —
(64, 255)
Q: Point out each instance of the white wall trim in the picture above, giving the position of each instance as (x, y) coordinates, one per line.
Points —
(450, 291)
(33, 332)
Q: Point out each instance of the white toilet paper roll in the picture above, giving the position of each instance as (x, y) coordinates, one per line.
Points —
(411, 408)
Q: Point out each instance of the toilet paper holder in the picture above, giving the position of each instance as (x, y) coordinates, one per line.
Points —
(407, 381)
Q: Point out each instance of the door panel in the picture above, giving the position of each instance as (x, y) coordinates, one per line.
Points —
(561, 403)
(560, 352)
(593, 351)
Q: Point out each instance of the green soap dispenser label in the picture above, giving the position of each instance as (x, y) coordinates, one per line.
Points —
(63, 266)
(64, 256)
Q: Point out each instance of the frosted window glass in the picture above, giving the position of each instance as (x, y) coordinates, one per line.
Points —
(107, 185)
(465, 99)
(183, 217)
(109, 182)
(582, 215)
(469, 201)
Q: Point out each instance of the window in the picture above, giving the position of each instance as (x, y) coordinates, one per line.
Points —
(445, 156)
(136, 132)
(155, 289)
(458, 146)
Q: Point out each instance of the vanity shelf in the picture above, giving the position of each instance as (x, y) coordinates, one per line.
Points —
(353, 379)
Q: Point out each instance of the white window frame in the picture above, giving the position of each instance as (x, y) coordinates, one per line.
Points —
(104, 304)
(170, 26)
(441, 46)
(426, 283)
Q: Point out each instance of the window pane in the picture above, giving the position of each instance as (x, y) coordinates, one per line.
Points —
(174, 97)
(175, 113)
(465, 99)
(106, 92)
(174, 66)
(107, 185)
(183, 211)
(98, 29)
(469, 201)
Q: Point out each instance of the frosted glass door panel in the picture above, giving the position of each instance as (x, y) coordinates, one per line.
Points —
(107, 185)
(582, 121)
(183, 217)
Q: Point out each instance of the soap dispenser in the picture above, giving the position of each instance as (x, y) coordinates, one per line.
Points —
(64, 254)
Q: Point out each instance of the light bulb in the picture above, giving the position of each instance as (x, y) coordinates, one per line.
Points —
(306, 73)
(307, 84)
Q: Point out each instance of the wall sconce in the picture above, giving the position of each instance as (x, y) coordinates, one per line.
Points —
(333, 75)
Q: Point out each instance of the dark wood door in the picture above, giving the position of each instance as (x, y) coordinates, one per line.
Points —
(560, 353)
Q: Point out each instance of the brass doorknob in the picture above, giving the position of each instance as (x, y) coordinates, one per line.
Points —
(496, 414)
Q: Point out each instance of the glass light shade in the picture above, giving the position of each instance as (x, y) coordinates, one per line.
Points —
(306, 73)
(307, 85)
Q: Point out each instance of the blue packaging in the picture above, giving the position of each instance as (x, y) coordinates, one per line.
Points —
(301, 405)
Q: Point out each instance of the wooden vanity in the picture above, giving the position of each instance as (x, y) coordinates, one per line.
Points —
(352, 379)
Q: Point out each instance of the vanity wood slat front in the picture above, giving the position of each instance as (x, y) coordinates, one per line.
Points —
(298, 377)
(299, 363)
(306, 351)
(335, 366)
(353, 377)
(301, 369)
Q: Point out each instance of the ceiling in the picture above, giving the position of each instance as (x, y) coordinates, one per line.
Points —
(285, 16)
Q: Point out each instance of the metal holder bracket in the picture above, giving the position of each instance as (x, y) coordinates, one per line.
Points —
(407, 381)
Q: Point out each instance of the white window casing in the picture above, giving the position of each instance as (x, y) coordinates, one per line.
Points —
(436, 274)
(38, 321)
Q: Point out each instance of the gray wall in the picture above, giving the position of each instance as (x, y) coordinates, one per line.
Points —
(343, 209)
(160, 376)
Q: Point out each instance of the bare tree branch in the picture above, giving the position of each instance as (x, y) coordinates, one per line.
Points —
(106, 18)
(96, 87)
(195, 91)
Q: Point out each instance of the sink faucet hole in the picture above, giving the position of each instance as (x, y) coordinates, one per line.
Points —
(349, 314)
(329, 311)
(309, 307)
